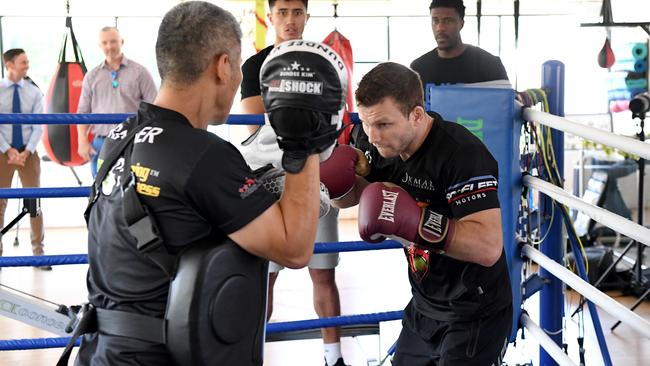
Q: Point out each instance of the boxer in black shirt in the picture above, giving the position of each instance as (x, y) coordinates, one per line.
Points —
(434, 190)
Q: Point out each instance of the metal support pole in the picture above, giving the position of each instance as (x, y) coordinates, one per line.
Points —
(639, 286)
(551, 297)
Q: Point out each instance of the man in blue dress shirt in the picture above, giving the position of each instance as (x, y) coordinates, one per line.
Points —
(18, 142)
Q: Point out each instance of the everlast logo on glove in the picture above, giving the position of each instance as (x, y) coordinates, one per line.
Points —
(304, 85)
(432, 228)
(388, 206)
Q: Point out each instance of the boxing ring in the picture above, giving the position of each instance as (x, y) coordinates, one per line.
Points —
(496, 118)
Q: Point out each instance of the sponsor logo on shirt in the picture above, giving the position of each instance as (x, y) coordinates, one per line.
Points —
(471, 190)
(420, 183)
(117, 133)
(143, 173)
(147, 189)
(147, 134)
(250, 186)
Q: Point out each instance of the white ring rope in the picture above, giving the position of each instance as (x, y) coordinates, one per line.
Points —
(546, 342)
(618, 223)
(608, 304)
(622, 143)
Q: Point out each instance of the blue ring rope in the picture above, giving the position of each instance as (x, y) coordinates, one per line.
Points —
(35, 343)
(56, 260)
(334, 321)
(109, 118)
(373, 318)
(57, 192)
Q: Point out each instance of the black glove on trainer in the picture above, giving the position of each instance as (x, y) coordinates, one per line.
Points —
(304, 85)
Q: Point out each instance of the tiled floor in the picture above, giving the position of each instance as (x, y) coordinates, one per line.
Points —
(368, 282)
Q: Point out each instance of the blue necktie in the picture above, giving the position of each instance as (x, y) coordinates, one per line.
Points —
(17, 130)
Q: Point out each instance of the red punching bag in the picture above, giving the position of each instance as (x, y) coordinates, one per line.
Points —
(63, 95)
(342, 46)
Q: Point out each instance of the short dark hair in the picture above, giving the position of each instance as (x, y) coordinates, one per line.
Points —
(456, 4)
(390, 79)
(190, 35)
(11, 54)
(304, 2)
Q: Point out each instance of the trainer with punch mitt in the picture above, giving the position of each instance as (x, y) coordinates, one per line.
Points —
(431, 185)
(180, 229)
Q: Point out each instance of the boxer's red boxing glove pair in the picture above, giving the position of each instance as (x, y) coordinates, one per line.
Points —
(387, 210)
(338, 173)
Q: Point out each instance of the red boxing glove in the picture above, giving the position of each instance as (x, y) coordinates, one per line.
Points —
(387, 210)
(338, 172)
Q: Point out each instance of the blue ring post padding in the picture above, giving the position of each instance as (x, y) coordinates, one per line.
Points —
(63, 192)
(491, 115)
(551, 297)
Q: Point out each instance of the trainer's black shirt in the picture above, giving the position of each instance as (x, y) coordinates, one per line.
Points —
(250, 84)
(454, 174)
(472, 66)
(197, 187)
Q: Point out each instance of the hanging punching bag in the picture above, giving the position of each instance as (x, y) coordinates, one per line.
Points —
(342, 46)
(63, 95)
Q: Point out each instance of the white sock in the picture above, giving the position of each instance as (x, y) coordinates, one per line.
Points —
(332, 352)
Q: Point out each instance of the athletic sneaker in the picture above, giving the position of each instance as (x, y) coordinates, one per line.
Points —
(339, 362)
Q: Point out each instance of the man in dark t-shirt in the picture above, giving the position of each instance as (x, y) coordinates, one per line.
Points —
(432, 185)
(195, 186)
(454, 62)
(251, 100)
(289, 18)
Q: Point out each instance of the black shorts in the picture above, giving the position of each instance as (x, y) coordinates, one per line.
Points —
(429, 342)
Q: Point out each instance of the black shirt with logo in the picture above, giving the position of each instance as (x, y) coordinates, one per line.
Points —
(197, 187)
(454, 174)
(472, 66)
(250, 84)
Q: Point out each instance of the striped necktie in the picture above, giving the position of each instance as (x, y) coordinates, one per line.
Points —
(17, 130)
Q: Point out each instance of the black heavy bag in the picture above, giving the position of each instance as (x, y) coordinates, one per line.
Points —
(63, 95)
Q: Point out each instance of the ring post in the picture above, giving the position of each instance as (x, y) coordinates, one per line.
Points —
(551, 298)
